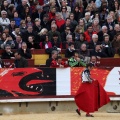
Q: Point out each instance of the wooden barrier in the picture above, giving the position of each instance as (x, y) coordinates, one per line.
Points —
(8, 62)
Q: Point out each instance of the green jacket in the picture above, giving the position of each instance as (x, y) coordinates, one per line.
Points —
(73, 63)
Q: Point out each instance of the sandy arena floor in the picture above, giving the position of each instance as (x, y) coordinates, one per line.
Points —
(61, 116)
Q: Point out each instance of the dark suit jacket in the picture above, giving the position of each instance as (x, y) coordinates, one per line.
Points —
(48, 62)
(6, 55)
(21, 63)
(26, 55)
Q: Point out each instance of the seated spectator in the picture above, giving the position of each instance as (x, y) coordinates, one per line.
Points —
(105, 31)
(94, 41)
(20, 62)
(70, 50)
(52, 13)
(29, 21)
(46, 44)
(58, 62)
(6, 40)
(59, 20)
(107, 46)
(38, 13)
(24, 51)
(96, 26)
(37, 27)
(15, 33)
(74, 23)
(52, 31)
(7, 54)
(18, 41)
(81, 24)
(31, 44)
(12, 26)
(88, 33)
(45, 22)
(98, 52)
(87, 19)
(116, 29)
(116, 42)
(55, 42)
(54, 55)
(93, 60)
(17, 19)
(65, 33)
(4, 21)
(41, 34)
(29, 32)
(2, 64)
(80, 41)
(84, 51)
(77, 32)
(75, 61)
(23, 27)
(69, 39)
(64, 13)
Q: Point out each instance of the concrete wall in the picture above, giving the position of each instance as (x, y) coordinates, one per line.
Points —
(49, 106)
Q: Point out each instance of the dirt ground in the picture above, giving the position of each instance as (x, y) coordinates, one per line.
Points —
(61, 116)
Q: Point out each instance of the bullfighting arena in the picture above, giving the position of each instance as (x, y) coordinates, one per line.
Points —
(61, 116)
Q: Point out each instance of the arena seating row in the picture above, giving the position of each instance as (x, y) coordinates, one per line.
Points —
(39, 57)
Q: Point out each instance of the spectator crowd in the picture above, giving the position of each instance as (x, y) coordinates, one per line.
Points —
(86, 29)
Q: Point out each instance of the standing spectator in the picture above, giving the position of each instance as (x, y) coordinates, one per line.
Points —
(4, 21)
(24, 51)
(7, 54)
(20, 62)
(54, 55)
(70, 50)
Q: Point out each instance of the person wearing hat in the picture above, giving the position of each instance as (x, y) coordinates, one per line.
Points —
(39, 13)
(4, 21)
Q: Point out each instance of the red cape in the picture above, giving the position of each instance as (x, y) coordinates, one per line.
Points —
(91, 96)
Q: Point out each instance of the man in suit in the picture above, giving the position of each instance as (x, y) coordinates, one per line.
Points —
(20, 62)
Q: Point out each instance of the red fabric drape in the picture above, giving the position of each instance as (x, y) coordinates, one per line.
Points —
(91, 96)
